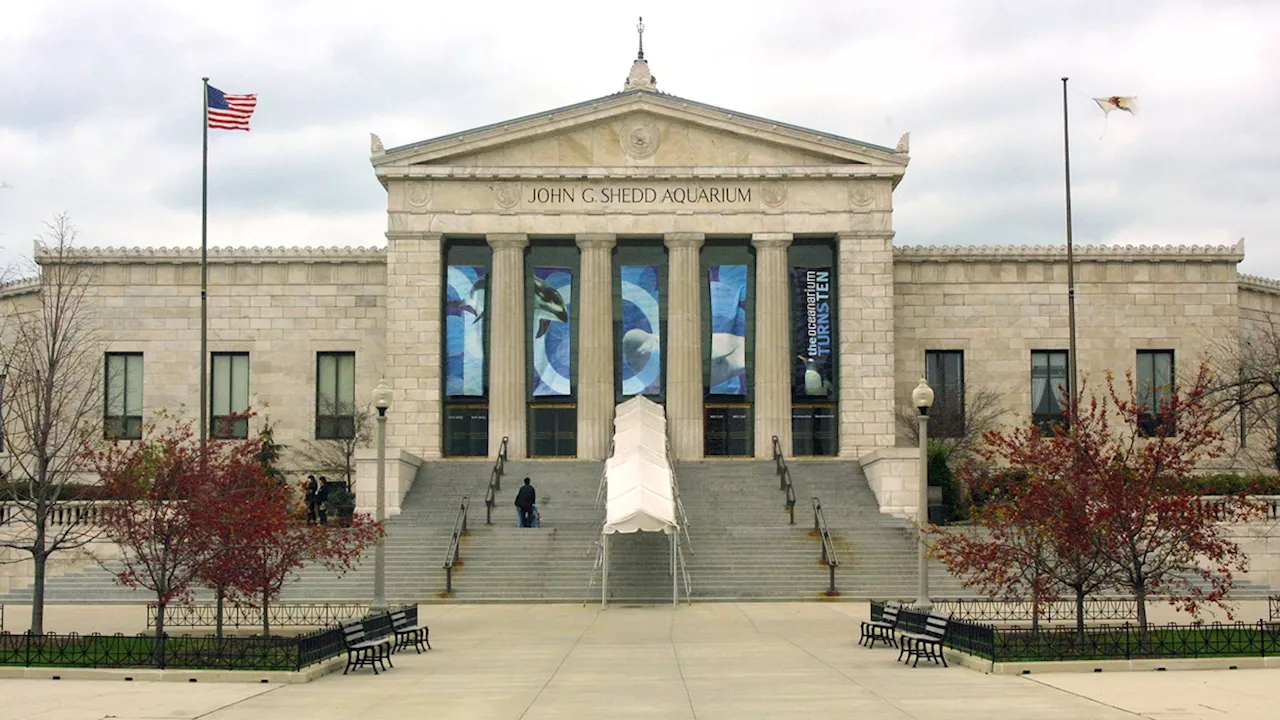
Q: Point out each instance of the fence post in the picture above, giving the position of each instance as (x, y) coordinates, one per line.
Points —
(832, 568)
(448, 579)
(464, 522)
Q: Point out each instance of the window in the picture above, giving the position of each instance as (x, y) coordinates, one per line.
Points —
(944, 369)
(229, 396)
(1049, 388)
(122, 415)
(1155, 387)
(335, 395)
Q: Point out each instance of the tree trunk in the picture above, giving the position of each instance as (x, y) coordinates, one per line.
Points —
(1140, 597)
(222, 594)
(157, 649)
(266, 618)
(1080, 612)
(40, 559)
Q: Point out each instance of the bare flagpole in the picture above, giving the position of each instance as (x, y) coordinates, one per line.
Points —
(204, 274)
(1071, 267)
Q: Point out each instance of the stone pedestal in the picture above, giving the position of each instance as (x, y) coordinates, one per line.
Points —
(772, 344)
(595, 345)
(866, 342)
(508, 403)
(684, 344)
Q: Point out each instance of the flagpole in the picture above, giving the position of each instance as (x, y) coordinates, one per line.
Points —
(204, 273)
(1071, 269)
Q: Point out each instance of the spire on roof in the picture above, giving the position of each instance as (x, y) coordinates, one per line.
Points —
(640, 78)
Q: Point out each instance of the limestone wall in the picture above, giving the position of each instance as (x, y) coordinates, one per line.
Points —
(999, 304)
(282, 306)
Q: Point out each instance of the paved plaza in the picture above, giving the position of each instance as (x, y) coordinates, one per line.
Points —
(731, 661)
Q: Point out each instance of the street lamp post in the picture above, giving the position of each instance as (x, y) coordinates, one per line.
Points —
(922, 398)
(382, 401)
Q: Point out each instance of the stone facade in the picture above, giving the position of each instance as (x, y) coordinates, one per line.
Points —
(645, 167)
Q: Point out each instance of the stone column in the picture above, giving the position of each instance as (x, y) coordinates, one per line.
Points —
(684, 344)
(595, 345)
(772, 344)
(866, 342)
(508, 403)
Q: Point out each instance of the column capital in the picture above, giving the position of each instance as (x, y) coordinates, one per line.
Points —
(771, 240)
(507, 241)
(596, 241)
(691, 240)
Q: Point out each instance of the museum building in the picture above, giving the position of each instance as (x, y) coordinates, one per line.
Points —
(740, 271)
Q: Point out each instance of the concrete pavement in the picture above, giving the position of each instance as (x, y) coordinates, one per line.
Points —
(705, 662)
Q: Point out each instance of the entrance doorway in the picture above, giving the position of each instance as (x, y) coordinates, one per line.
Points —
(553, 430)
(727, 430)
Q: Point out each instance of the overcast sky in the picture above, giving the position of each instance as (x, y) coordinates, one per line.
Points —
(100, 107)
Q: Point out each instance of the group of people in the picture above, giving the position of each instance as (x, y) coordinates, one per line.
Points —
(316, 496)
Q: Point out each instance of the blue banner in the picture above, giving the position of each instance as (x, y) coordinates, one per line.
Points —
(464, 331)
(813, 367)
(640, 348)
(728, 293)
(552, 287)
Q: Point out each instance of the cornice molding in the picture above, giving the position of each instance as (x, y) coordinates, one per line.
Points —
(677, 172)
(1082, 253)
(21, 286)
(221, 255)
(1260, 284)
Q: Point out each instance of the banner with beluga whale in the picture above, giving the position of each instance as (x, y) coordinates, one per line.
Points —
(464, 331)
(640, 347)
(812, 334)
(728, 293)
(552, 341)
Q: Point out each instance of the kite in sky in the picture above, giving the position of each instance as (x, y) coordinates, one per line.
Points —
(1118, 102)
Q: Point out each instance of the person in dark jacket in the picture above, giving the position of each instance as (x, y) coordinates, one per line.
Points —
(525, 500)
(322, 500)
(310, 492)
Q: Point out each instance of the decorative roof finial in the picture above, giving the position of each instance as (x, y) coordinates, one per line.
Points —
(640, 78)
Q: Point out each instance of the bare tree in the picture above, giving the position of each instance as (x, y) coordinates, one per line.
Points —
(1246, 393)
(961, 431)
(52, 363)
(348, 428)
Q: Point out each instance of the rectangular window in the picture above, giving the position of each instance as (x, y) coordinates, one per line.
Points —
(1049, 388)
(229, 396)
(335, 395)
(1155, 387)
(122, 415)
(944, 369)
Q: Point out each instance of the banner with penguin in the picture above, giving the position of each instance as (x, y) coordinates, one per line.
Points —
(464, 331)
(640, 348)
(812, 333)
(728, 292)
(552, 288)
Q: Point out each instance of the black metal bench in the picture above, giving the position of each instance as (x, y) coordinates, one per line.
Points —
(408, 633)
(882, 629)
(927, 644)
(362, 649)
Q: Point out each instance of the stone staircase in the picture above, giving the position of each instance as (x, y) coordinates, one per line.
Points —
(741, 545)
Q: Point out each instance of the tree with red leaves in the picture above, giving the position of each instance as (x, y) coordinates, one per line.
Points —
(1102, 502)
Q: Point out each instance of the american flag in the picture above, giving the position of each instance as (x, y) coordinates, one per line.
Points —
(230, 112)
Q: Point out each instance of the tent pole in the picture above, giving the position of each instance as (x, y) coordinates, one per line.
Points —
(604, 577)
(675, 587)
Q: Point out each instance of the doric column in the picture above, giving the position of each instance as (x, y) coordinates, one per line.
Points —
(684, 345)
(773, 344)
(595, 345)
(866, 341)
(507, 356)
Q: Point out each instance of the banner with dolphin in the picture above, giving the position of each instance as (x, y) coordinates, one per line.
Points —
(814, 361)
(552, 287)
(728, 293)
(464, 331)
(640, 348)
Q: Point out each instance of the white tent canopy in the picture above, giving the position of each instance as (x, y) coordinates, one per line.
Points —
(641, 483)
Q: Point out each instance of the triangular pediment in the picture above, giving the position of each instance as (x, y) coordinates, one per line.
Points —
(643, 129)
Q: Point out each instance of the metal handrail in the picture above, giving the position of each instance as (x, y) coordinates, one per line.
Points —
(452, 556)
(828, 547)
(784, 479)
(495, 481)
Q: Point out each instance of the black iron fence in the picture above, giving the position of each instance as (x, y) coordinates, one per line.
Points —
(1114, 608)
(1104, 642)
(278, 615)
